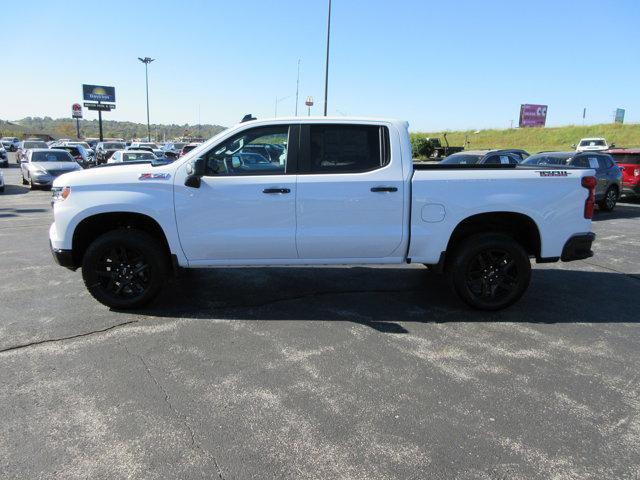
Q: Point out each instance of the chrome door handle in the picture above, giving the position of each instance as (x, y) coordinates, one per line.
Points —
(276, 190)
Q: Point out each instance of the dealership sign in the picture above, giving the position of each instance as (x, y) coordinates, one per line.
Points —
(98, 93)
(76, 110)
(533, 115)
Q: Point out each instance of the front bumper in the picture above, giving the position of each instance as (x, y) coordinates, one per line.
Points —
(64, 258)
(578, 247)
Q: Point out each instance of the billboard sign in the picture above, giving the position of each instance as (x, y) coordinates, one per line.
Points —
(619, 115)
(76, 110)
(533, 115)
(98, 93)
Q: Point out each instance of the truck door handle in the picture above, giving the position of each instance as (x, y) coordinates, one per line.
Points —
(384, 189)
(276, 190)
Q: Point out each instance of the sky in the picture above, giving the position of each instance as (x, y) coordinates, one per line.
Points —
(446, 65)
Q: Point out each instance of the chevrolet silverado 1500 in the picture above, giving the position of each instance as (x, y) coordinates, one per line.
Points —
(318, 191)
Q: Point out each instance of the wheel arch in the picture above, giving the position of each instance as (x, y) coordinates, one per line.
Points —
(519, 226)
(91, 227)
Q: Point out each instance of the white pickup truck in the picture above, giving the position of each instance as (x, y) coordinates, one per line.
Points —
(318, 191)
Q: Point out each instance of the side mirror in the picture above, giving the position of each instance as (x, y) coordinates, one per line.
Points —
(573, 146)
(613, 145)
(23, 160)
(195, 170)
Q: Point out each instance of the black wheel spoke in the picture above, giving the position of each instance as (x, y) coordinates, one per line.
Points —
(492, 275)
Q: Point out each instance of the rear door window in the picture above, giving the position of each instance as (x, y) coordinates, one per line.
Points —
(347, 148)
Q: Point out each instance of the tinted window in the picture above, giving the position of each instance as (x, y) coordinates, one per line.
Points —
(347, 148)
(583, 162)
(546, 159)
(239, 155)
(51, 157)
(499, 160)
(627, 158)
(34, 145)
(112, 146)
(592, 143)
(462, 159)
(136, 157)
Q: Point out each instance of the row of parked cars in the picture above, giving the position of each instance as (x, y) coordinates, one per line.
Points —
(41, 162)
(617, 169)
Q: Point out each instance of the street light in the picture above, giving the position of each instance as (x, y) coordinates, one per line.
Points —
(147, 61)
(326, 71)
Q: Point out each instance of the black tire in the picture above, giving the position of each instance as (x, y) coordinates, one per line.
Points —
(24, 182)
(31, 184)
(608, 202)
(489, 271)
(125, 268)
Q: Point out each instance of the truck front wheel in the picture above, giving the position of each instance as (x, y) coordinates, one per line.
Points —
(124, 268)
(490, 271)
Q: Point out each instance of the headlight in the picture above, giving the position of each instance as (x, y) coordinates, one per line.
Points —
(59, 194)
(39, 170)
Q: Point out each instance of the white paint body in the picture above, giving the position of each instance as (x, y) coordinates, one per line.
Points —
(326, 218)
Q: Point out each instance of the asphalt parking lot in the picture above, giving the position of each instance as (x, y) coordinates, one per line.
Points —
(318, 373)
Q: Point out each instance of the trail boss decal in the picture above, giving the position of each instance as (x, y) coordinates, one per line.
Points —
(154, 176)
(553, 173)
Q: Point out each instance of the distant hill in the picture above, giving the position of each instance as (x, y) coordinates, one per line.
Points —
(539, 139)
(66, 127)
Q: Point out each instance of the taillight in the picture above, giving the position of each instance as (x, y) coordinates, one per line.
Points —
(589, 204)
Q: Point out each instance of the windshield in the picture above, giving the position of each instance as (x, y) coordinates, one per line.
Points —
(51, 157)
(592, 143)
(547, 159)
(627, 158)
(82, 144)
(113, 146)
(462, 159)
(137, 156)
(150, 145)
(35, 145)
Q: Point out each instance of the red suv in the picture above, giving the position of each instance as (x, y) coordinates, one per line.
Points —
(628, 159)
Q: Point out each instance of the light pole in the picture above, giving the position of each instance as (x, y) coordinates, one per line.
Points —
(326, 71)
(147, 61)
(297, 87)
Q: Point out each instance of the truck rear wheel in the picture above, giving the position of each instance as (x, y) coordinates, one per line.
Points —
(490, 271)
(124, 268)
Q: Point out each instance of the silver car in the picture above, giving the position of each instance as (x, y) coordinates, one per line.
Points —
(41, 166)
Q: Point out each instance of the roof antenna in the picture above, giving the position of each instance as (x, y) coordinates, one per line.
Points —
(247, 118)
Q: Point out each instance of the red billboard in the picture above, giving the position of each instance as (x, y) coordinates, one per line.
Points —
(532, 115)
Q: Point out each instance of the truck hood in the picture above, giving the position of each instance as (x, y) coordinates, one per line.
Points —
(117, 173)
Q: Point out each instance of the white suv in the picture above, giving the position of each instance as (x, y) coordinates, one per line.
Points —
(591, 145)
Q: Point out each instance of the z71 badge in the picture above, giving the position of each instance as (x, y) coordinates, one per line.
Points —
(154, 176)
(553, 173)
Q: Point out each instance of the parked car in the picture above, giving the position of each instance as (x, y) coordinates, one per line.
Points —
(4, 159)
(42, 166)
(346, 193)
(173, 149)
(79, 153)
(157, 151)
(1, 182)
(26, 145)
(628, 159)
(187, 148)
(104, 150)
(84, 145)
(441, 151)
(11, 144)
(482, 157)
(592, 145)
(124, 156)
(608, 173)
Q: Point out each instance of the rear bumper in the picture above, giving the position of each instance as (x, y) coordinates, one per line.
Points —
(631, 189)
(578, 247)
(64, 258)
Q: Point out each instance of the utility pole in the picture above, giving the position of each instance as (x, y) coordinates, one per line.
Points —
(147, 61)
(297, 87)
(326, 71)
